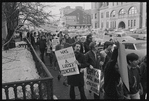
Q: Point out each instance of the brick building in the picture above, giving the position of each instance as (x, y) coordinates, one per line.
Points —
(75, 18)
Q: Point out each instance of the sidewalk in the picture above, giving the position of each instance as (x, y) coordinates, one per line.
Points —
(59, 90)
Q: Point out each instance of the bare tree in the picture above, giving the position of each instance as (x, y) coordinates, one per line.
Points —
(32, 12)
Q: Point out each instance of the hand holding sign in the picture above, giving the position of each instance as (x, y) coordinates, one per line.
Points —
(77, 62)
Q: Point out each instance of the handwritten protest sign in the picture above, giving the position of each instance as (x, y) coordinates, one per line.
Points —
(66, 61)
(92, 79)
(123, 64)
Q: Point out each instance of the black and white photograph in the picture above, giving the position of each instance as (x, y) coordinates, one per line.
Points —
(74, 50)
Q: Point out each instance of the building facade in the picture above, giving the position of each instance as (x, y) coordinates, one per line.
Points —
(75, 18)
(116, 15)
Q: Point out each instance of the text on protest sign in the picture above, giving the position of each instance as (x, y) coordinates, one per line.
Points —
(92, 80)
(66, 61)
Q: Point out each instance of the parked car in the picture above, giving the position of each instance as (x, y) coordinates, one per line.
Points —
(142, 36)
(122, 36)
(138, 47)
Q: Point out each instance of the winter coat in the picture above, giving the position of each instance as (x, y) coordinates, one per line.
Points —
(69, 40)
(42, 44)
(86, 46)
(112, 86)
(90, 59)
(77, 80)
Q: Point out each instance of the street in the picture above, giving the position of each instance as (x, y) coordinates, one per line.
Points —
(59, 90)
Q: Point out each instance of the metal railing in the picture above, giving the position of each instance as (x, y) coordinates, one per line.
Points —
(41, 88)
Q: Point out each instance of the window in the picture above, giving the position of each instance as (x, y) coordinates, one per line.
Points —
(117, 3)
(132, 11)
(110, 24)
(134, 22)
(128, 22)
(95, 25)
(113, 3)
(112, 14)
(131, 22)
(115, 24)
(129, 46)
(107, 3)
(121, 13)
(101, 15)
(95, 15)
(107, 14)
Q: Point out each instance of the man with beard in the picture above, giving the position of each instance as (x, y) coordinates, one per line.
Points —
(77, 80)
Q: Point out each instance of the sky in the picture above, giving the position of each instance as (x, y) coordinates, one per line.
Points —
(59, 5)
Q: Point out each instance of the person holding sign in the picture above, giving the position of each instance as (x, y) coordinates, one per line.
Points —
(62, 45)
(113, 85)
(77, 80)
(92, 59)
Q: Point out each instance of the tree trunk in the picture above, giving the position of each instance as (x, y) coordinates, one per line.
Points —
(12, 22)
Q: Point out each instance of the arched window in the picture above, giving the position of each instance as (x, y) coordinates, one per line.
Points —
(132, 11)
(112, 14)
(122, 12)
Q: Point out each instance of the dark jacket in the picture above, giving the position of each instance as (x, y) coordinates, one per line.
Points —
(78, 80)
(42, 44)
(69, 40)
(134, 80)
(86, 46)
(112, 78)
(90, 59)
(143, 70)
(108, 57)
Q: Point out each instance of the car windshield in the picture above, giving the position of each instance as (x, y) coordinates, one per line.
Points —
(140, 46)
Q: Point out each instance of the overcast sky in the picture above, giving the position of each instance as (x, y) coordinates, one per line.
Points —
(59, 5)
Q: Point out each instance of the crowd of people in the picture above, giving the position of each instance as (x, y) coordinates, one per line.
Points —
(89, 54)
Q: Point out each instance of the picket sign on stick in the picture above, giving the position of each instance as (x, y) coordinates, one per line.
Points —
(123, 65)
(92, 79)
(66, 61)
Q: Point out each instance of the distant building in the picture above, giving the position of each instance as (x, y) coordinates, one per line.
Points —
(116, 15)
(75, 18)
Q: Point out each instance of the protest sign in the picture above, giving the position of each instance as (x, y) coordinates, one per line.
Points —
(92, 79)
(123, 64)
(66, 61)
